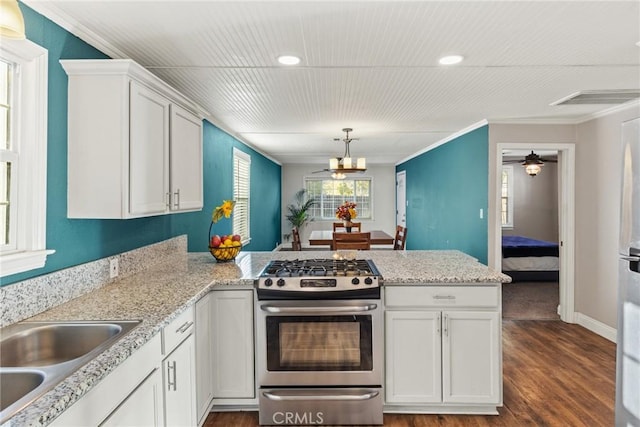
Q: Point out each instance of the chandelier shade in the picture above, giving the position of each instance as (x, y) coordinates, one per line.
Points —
(11, 20)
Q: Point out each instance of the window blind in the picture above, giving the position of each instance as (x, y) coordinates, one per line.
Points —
(241, 193)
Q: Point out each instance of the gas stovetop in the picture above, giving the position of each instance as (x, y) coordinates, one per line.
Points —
(318, 275)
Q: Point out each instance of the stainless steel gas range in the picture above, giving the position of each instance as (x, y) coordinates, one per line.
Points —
(319, 342)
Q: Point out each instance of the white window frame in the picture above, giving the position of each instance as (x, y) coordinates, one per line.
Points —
(509, 170)
(240, 156)
(31, 146)
(353, 199)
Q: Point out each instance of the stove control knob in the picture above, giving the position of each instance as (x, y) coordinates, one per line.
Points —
(355, 281)
(368, 281)
(280, 282)
(268, 282)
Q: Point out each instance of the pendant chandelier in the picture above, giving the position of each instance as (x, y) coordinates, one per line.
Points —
(340, 166)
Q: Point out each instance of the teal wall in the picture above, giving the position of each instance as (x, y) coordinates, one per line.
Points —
(78, 241)
(446, 188)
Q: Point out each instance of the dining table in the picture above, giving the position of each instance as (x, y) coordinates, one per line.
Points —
(325, 238)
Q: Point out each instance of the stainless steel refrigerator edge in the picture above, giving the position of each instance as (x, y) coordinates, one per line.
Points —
(627, 411)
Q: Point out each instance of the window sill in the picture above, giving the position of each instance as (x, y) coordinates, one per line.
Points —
(23, 261)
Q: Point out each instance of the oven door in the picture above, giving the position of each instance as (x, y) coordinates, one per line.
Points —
(319, 343)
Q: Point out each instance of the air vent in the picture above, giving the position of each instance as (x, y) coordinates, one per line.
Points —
(619, 96)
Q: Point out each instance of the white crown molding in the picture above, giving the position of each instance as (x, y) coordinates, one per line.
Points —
(52, 12)
(609, 111)
(568, 121)
(217, 123)
(445, 140)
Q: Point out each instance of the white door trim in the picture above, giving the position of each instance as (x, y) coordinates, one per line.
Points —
(401, 208)
(566, 170)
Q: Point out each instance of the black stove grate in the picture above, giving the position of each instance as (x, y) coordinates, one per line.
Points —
(319, 268)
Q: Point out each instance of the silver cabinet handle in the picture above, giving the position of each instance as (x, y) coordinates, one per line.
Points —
(341, 309)
(438, 323)
(184, 327)
(167, 201)
(176, 199)
(631, 258)
(283, 396)
(445, 297)
(171, 373)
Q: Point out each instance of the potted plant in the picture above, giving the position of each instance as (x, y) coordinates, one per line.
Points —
(298, 214)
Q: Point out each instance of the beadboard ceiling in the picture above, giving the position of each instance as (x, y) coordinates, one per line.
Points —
(372, 66)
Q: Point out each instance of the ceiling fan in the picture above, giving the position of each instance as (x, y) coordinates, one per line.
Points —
(339, 166)
(532, 163)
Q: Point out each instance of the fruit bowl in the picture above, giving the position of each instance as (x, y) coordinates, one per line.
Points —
(225, 254)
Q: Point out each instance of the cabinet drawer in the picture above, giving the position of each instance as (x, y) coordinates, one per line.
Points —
(176, 331)
(442, 296)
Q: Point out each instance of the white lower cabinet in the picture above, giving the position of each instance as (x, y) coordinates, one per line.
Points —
(204, 356)
(178, 371)
(143, 407)
(233, 348)
(115, 399)
(443, 353)
(179, 385)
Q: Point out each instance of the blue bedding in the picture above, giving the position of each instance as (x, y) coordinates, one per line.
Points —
(520, 246)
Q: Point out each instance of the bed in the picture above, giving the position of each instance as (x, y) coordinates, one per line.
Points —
(530, 260)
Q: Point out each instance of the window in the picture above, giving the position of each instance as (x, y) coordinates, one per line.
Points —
(23, 156)
(241, 193)
(507, 196)
(330, 193)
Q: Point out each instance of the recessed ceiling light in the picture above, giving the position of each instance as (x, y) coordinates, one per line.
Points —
(638, 44)
(288, 60)
(451, 59)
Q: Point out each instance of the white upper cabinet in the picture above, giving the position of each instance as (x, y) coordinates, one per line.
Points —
(186, 160)
(135, 144)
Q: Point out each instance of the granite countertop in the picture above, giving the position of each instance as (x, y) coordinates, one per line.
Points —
(157, 295)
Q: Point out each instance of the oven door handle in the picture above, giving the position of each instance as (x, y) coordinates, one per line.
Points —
(282, 396)
(339, 309)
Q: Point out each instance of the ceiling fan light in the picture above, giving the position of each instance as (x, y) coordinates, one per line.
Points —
(337, 175)
(11, 20)
(533, 169)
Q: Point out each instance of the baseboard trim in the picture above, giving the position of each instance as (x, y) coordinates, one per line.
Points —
(595, 326)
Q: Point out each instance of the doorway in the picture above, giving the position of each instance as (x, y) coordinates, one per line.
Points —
(566, 210)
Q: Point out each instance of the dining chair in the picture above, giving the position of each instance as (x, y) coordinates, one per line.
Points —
(296, 245)
(351, 241)
(400, 239)
(339, 226)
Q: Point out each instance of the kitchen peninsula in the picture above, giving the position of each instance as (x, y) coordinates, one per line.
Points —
(160, 294)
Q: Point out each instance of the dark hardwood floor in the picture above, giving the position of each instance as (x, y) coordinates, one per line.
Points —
(555, 374)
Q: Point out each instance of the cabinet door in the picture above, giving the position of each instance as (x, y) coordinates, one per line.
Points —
(413, 356)
(186, 160)
(233, 350)
(179, 385)
(471, 357)
(204, 356)
(143, 407)
(148, 152)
